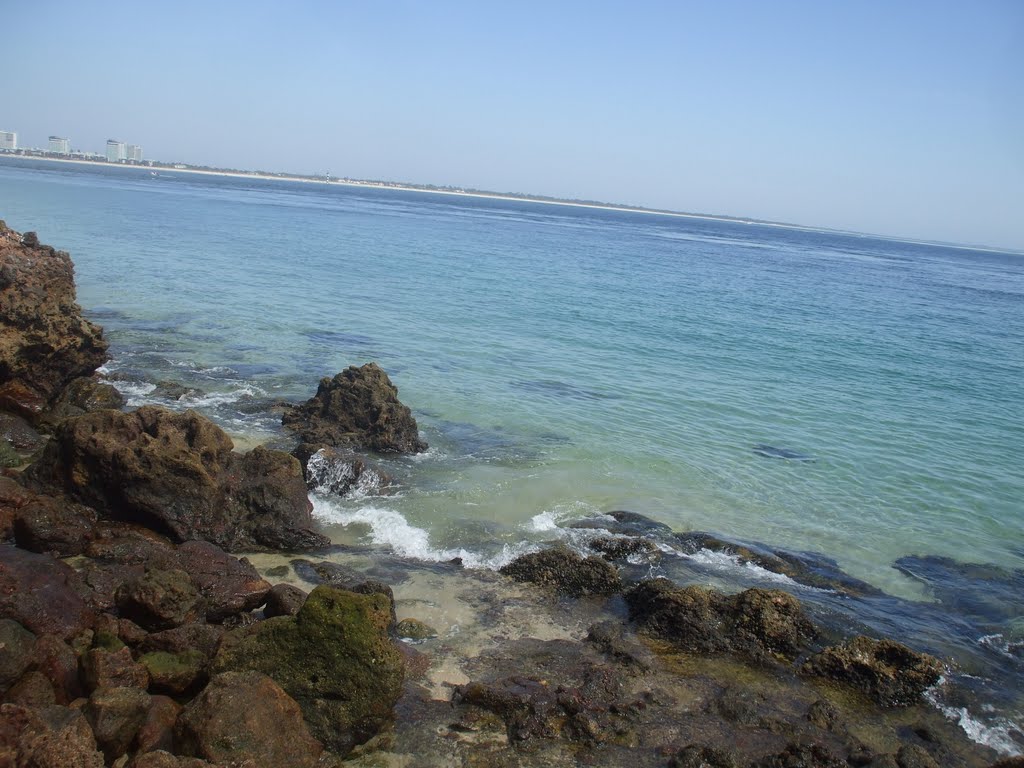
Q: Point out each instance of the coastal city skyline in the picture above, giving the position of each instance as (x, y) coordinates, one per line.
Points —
(115, 150)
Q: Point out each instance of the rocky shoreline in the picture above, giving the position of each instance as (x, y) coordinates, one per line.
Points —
(132, 635)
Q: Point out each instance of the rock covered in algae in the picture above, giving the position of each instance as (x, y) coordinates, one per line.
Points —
(334, 657)
(566, 572)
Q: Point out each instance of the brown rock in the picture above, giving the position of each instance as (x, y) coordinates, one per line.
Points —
(157, 732)
(162, 759)
(246, 716)
(42, 594)
(102, 668)
(116, 715)
(358, 408)
(159, 599)
(283, 600)
(22, 436)
(45, 343)
(566, 572)
(57, 525)
(53, 737)
(55, 659)
(32, 690)
(83, 395)
(176, 474)
(175, 673)
(204, 638)
(228, 585)
(17, 646)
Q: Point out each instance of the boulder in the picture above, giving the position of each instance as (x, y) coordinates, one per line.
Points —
(159, 599)
(116, 715)
(32, 690)
(176, 473)
(107, 668)
(565, 572)
(283, 600)
(51, 737)
(890, 673)
(57, 525)
(621, 548)
(204, 638)
(246, 717)
(157, 732)
(163, 759)
(13, 497)
(45, 343)
(760, 624)
(228, 585)
(174, 673)
(17, 646)
(334, 657)
(57, 661)
(42, 594)
(414, 629)
(83, 395)
(338, 471)
(358, 408)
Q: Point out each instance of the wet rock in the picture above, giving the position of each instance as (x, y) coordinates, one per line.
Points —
(22, 437)
(623, 523)
(803, 756)
(103, 668)
(889, 672)
(330, 470)
(55, 659)
(358, 408)
(204, 638)
(172, 390)
(740, 706)
(414, 629)
(990, 595)
(174, 673)
(176, 473)
(622, 548)
(157, 732)
(325, 572)
(528, 707)
(823, 714)
(116, 715)
(159, 599)
(83, 395)
(42, 594)
(695, 756)
(45, 343)
(12, 498)
(32, 690)
(760, 624)
(57, 525)
(914, 756)
(567, 573)
(612, 640)
(17, 646)
(228, 585)
(283, 600)
(334, 658)
(52, 737)
(246, 716)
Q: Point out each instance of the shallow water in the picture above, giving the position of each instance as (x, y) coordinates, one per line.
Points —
(849, 395)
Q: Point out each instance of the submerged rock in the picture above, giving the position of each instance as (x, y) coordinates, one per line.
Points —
(45, 343)
(890, 673)
(334, 657)
(329, 470)
(358, 408)
(177, 474)
(760, 624)
(566, 572)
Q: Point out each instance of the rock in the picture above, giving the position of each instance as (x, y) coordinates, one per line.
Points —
(116, 715)
(204, 638)
(228, 585)
(610, 638)
(695, 756)
(42, 594)
(623, 523)
(358, 408)
(102, 668)
(566, 572)
(174, 673)
(334, 658)
(802, 756)
(246, 716)
(283, 600)
(32, 690)
(52, 737)
(55, 659)
(56, 525)
(414, 629)
(329, 470)
(529, 708)
(622, 548)
(913, 756)
(23, 438)
(159, 599)
(45, 343)
(163, 759)
(889, 672)
(157, 732)
(17, 646)
(172, 390)
(176, 474)
(83, 395)
(760, 624)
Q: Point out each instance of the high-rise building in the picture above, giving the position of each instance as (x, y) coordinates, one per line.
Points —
(60, 146)
(117, 151)
(134, 153)
(8, 140)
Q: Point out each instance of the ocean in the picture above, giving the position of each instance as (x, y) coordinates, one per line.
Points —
(853, 396)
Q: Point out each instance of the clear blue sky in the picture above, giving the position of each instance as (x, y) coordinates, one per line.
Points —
(903, 118)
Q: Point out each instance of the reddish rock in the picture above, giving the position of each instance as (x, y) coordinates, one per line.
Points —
(228, 585)
(246, 716)
(116, 715)
(175, 673)
(53, 737)
(32, 690)
(284, 600)
(45, 343)
(102, 668)
(159, 599)
(162, 759)
(55, 659)
(57, 525)
(42, 594)
(157, 732)
(204, 638)
(17, 646)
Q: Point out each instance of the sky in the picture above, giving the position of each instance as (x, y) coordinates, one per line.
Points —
(900, 118)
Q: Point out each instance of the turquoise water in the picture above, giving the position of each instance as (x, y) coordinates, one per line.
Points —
(564, 361)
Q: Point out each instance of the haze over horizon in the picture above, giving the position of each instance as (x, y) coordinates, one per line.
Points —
(904, 119)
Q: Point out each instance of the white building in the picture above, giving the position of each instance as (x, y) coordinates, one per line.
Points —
(133, 153)
(8, 140)
(117, 151)
(60, 146)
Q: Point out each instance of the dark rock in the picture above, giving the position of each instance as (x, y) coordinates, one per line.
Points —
(326, 572)
(55, 659)
(176, 473)
(623, 523)
(164, 759)
(159, 599)
(329, 470)
(823, 714)
(913, 756)
(334, 658)
(83, 395)
(760, 624)
(21, 435)
(529, 708)
(889, 672)
(53, 737)
(175, 673)
(45, 343)
(414, 629)
(283, 600)
(228, 585)
(56, 525)
(988, 594)
(17, 646)
(116, 715)
(32, 690)
(622, 548)
(246, 716)
(157, 732)
(172, 390)
(802, 756)
(566, 572)
(42, 594)
(103, 668)
(694, 756)
(611, 639)
(358, 408)
(740, 706)
(204, 638)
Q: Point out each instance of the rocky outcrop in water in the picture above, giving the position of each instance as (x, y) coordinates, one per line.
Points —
(45, 343)
(177, 474)
(358, 408)
(565, 572)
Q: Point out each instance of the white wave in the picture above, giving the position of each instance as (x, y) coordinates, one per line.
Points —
(545, 521)
(724, 561)
(1002, 645)
(134, 392)
(1002, 735)
(429, 455)
(212, 399)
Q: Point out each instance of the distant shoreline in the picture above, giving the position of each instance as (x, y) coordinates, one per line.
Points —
(167, 168)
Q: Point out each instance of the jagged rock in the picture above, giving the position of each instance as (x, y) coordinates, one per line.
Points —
(621, 548)
(42, 594)
(695, 756)
(611, 639)
(228, 585)
(45, 343)
(566, 572)
(529, 708)
(83, 395)
(106, 668)
(802, 756)
(757, 623)
(204, 638)
(116, 715)
(329, 470)
(159, 599)
(246, 716)
(164, 759)
(17, 646)
(23, 438)
(889, 672)
(174, 673)
(157, 732)
(52, 737)
(283, 600)
(414, 629)
(334, 658)
(32, 690)
(13, 497)
(177, 474)
(57, 661)
(358, 408)
(58, 525)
